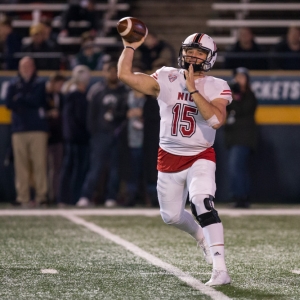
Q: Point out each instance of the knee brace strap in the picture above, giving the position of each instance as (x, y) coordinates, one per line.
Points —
(208, 218)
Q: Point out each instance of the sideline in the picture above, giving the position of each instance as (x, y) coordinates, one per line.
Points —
(148, 212)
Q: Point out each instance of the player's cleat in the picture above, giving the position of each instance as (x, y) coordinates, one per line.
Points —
(206, 251)
(83, 202)
(218, 277)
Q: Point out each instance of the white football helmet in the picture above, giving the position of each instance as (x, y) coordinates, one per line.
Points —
(200, 41)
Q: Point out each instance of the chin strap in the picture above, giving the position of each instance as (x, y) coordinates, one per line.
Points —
(196, 68)
(205, 66)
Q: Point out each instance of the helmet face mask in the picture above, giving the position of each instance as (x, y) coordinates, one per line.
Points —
(198, 41)
(189, 58)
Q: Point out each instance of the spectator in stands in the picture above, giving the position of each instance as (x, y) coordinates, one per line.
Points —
(151, 119)
(50, 36)
(106, 121)
(288, 51)
(135, 134)
(39, 44)
(245, 52)
(240, 136)
(76, 137)
(154, 49)
(80, 10)
(11, 44)
(26, 97)
(90, 55)
(54, 100)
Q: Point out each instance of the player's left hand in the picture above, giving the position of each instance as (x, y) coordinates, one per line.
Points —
(190, 81)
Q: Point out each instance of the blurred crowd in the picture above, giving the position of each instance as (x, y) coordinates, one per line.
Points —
(81, 19)
(284, 55)
(47, 53)
(74, 141)
(44, 39)
(43, 45)
(82, 143)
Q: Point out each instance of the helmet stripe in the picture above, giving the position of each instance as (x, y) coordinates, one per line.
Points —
(196, 37)
(215, 47)
(200, 37)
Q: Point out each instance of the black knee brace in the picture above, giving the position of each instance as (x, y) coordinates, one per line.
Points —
(208, 218)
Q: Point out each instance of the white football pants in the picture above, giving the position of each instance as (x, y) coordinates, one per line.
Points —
(172, 189)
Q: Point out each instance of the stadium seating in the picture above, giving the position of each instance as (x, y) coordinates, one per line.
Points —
(24, 15)
(268, 20)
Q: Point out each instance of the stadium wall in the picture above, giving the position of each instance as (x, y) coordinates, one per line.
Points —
(275, 166)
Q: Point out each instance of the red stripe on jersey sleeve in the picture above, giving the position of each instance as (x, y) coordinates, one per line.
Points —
(154, 75)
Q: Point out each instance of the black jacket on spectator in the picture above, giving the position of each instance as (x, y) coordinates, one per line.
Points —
(77, 13)
(12, 45)
(290, 60)
(55, 124)
(113, 101)
(242, 129)
(151, 138)
(27, 100)
(255, 62)
(149, 56)
(74, 118)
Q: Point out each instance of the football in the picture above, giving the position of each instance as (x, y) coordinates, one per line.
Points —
(131, 29)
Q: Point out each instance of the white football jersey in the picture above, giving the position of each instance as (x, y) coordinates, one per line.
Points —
(183, 131)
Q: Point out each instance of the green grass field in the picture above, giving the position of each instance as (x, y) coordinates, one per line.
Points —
(261, 253)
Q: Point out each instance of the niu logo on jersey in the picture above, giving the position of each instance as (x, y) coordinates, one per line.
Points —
(185, 96)
(172, 77)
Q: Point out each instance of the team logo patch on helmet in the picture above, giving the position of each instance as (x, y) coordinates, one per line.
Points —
(172, 77)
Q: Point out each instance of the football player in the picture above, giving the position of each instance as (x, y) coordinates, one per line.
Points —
(192, 106)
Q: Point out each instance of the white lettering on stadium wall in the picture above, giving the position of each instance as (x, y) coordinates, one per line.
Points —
(277, 90)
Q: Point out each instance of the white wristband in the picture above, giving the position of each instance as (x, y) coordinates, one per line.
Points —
(213, 121)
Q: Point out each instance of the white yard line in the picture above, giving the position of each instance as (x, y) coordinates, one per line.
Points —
(259, 212)
(80, 212)
(149, 212)
(191, 281)
(49, 271)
